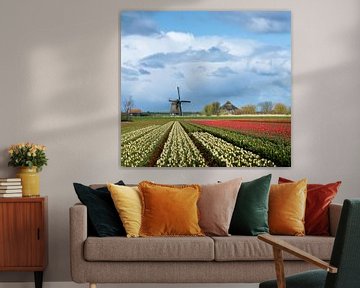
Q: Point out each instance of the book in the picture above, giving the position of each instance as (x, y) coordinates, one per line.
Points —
(4, 195)
(10, 187)
(9, 183)
(10, 191)
(10, 180)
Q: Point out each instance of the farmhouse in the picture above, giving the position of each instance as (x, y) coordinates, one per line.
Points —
(135, 112)
(228, 108)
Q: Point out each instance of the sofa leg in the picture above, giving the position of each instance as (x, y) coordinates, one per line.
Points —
(92, 285)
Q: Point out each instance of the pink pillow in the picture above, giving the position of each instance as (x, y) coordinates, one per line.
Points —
(216, 206)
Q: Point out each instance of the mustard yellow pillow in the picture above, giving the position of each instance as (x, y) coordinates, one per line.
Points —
(287, 204)
(127, 201)
(169, 210)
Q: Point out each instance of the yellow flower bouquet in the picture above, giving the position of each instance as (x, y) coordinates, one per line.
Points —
(27, 155)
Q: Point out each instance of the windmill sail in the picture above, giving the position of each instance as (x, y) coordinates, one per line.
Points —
(175, 106)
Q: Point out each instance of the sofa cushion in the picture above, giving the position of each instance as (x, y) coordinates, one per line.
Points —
(245, 248)
(287, 204)
(149, 249)
(127, 201)
(169, 210)
(250, 215)
(216, 206)
(102, 216)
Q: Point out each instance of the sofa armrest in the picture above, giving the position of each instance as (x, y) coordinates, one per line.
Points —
(78, 235)
(334, 217)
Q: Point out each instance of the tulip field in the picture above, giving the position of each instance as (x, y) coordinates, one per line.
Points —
(197, 142)
(271, 128)
(179, 150)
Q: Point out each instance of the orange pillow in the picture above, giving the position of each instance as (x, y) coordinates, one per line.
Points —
(287, 204)
(169, 210)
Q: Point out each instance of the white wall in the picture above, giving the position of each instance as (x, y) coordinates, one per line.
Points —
(59, 72)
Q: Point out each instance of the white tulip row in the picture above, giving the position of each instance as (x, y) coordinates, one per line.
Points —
(129, 136)
(136, 153)
(229, 154)
(179, 150)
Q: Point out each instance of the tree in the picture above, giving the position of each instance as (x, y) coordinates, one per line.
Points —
(127, 105)
(215, 108)
(248, 109)
(207, 110)
(212, 109)
(266, 107)
(280, 108)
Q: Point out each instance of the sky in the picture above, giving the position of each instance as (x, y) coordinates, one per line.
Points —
(238, 56)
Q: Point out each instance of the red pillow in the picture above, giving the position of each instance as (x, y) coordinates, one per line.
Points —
(319, 197)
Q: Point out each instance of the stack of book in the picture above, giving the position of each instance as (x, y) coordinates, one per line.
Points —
(10, 187)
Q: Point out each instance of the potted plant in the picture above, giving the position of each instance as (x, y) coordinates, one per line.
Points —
(30, 158)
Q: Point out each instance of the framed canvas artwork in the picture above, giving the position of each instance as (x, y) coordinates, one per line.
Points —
(205, 88)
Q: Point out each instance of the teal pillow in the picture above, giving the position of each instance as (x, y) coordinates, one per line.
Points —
(250, 216)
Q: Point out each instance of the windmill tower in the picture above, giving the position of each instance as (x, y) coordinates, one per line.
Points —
(175, 106)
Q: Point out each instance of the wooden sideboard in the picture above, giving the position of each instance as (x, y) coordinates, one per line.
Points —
(23, 235)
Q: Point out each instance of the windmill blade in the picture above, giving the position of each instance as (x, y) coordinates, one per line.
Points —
(178, 90)
(185, 101)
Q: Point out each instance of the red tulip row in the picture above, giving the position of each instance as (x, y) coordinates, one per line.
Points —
(251, 127)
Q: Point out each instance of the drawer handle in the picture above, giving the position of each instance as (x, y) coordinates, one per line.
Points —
(38, 234)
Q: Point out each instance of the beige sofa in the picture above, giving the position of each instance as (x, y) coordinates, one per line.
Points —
(234, 259)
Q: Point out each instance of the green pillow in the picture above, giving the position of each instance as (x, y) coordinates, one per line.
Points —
(250, 216)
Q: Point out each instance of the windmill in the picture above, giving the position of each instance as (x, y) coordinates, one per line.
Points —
(175, 107)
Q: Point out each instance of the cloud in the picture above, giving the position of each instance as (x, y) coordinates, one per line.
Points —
(129, 71)
(208, 68)
(129, 74)
(201, 87)
(137, 47)
(273, 62)
(137, 23)
(223, 72)
(144, 72)
(130, 78)
(270, 22)
(179, 75)
(242, 81)
(260, 22)
(213, 54)
(153, 63)
(282, 83)
(179, 37)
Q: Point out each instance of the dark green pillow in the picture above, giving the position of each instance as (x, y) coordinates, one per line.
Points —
(250, 216)
(103, 218)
